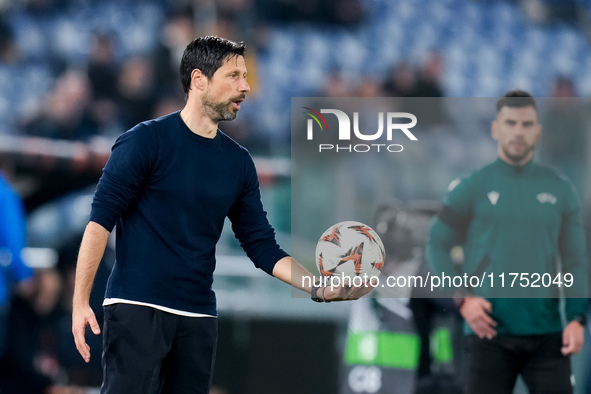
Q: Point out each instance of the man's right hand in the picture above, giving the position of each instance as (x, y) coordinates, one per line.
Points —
(476, 311)
(81, 317)
(344, 293)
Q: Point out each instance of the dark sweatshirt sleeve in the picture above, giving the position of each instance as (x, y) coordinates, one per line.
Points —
(574, 257)
(130, 162)
(250, 224)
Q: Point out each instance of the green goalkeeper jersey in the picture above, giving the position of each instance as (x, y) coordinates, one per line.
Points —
(512, 220)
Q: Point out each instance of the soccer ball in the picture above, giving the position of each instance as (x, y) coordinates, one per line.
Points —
(350, 249)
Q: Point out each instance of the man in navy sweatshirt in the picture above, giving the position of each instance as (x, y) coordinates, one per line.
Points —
(168, 186)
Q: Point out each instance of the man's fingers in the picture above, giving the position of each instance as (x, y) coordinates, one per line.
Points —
(572, 339)
(484, 331)
(357, 292)
(491, 333)
(78, 330)
(483, 319)
(483, 326)
(78, 336)
(570, 345)
(488, 320)
(568, 348)
(94, 326)
(360, 291)
(81, 345)
(345, 293)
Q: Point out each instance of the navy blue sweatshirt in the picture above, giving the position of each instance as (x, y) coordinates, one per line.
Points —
(169, 191)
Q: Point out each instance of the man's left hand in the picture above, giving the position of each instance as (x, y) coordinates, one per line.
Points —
(572, 338)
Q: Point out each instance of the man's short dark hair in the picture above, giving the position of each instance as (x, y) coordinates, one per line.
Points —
(516, 99)
(207, 54)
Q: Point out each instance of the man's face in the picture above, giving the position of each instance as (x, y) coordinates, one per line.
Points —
(226, 90)
(516, 130)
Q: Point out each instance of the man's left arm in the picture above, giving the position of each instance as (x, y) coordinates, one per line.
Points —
(250, 223)
(574, 266)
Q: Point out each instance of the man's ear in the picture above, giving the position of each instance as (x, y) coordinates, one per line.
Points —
(493, 129)
(198, 79)
(540, 128)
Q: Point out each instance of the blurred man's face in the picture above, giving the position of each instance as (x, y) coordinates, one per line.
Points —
(226, 90)
(516, 130)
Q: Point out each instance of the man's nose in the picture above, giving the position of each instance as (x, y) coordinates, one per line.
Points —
(520, 130)
(245, 87)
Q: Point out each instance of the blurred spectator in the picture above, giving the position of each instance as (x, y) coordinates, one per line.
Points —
(102, 73)
(564, 142)
(167, 105)
(552, 10)
(31, 364)
(335, 86)
(42, 7)
(241, 131)
(9, 53)
(429, 81)
(240, 15)
(102, 67)
(29, 360)
(65, 113)
(331, 12)
(431, 112)
(401, 81)
(205, 14)
(369, 87)
(179, 28)
(12, 240)
(136, 88)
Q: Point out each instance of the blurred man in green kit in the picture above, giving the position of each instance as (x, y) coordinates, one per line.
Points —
(514, 215)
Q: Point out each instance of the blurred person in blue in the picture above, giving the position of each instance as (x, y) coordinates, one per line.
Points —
(168, 186)
(26, 299)
(13, 269)
(516, 216)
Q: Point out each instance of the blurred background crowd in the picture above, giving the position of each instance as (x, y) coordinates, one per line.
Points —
(75, 74)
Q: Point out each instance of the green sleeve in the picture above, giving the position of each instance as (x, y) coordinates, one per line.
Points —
(441, 241)
(574, 256)
(449, 227)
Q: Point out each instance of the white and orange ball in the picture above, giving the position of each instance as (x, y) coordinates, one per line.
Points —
(350, 249)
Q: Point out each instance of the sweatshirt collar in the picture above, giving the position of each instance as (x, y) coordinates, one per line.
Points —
(513, 169)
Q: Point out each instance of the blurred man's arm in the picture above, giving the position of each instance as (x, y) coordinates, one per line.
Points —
(91, 252)
(450, 229)
(442, 239)
(450, 226)
(574, 262)
(475, 310)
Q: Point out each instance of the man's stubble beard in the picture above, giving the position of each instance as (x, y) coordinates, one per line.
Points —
(219, 111)
(518, 158)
